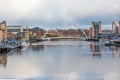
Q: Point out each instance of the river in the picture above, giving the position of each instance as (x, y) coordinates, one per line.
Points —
(62, 60)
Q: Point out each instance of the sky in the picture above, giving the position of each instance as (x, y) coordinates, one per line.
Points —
(59, 13)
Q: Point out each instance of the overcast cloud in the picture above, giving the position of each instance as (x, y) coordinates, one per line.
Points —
(37, 12)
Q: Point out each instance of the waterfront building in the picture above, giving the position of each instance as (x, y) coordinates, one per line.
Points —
(24, 35)
(95, 29)
(38, 32)
(3, 31)
(13, 30)
(1, 35)
(116, 27)
(17, 31)
(53, 33)
(91, 33)
(27, 34)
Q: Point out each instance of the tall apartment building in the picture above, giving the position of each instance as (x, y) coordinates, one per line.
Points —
(95, 29)
(116, 27)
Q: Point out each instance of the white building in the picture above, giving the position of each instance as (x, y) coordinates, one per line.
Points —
(116, 27)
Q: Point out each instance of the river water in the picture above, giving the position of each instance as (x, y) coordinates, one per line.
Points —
(62, 60)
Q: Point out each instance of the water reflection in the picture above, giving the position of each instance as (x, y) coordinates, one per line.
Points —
(95, 49)
(15, 52)
(116, 51)
(37, 47)
(3, 56)
(3, 59)
(65, 60)
(101, 50)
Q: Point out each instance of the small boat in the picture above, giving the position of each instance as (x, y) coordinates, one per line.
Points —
(8, 49)
(117, 41)
(109, 43)
(24, 43)
(92, 39)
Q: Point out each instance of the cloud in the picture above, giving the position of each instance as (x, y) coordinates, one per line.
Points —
(54, 11)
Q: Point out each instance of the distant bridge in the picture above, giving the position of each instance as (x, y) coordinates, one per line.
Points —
(66, 37)
(63, 37)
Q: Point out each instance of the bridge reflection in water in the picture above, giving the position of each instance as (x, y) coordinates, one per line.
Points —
(62, 59)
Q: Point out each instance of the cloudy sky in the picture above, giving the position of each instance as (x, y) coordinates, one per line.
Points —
(59, 12)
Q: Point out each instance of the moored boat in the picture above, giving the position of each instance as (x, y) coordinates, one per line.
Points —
(117, 41)
(92, 39)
